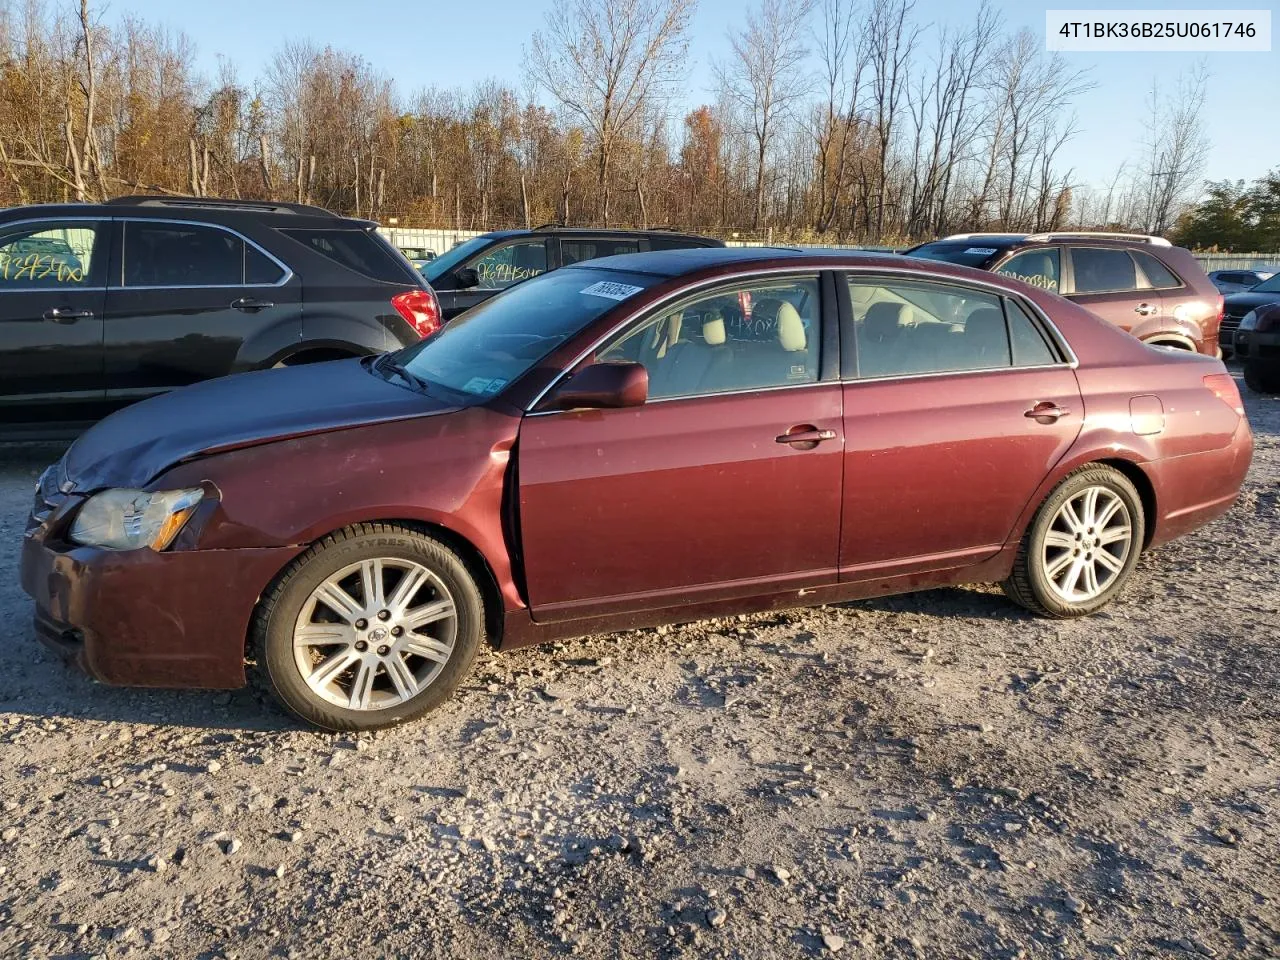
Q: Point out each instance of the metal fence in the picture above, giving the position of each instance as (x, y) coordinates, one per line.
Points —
(442, 240)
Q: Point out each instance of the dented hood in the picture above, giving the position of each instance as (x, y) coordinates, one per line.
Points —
(133, 446)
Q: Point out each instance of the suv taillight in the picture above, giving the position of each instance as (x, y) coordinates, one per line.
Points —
(420, 308)
(1223, 386)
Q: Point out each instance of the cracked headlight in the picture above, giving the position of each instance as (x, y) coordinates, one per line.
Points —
(124, 519)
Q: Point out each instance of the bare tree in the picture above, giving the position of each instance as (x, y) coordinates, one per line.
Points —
(1176, 147)
(604, 60)
(765, 78)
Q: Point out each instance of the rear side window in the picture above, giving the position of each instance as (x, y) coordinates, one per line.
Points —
(259, 268)
(1103, 271)
(1161, 277)
(672, 243)
(356, 250)
(1030, 349)
(181, 255)
(573, 251)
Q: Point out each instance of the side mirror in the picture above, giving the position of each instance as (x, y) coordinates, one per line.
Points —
(603, 385)
(466, 278)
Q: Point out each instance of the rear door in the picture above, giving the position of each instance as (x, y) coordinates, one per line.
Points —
(183, 300)
(52, 297)
(725, 483)
(957, 403)
(1106, 281)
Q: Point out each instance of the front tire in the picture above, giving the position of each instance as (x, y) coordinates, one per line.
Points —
(1081, 547)
(1262, 378)
(373, 626)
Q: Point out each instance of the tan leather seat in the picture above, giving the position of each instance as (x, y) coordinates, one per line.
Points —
(791, 332)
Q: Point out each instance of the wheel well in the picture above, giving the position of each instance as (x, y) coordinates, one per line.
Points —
(317, 355)
(1145, 490)
(472, 558)
(1171, 340)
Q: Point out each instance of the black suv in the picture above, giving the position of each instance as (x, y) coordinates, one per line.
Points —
(483, 266)
(105, 304)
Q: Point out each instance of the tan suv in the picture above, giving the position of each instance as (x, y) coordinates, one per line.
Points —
(1145, 285)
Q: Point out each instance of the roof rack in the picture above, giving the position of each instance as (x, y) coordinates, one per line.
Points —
(1100, 235)
(217, 203)
(970, 236)
(551, 225)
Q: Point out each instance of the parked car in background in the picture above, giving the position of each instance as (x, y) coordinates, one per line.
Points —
(1237, 281)
(477, 269)
(418, 256)
(640, 440)
(1144, 285)
(1257, 346)
(105, 304)
(1237, 306)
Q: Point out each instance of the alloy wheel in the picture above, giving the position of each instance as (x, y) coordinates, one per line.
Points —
(375, 634)
(1087, 544)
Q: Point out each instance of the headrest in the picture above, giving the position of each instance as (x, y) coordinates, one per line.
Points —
(713, 332)
(791, 334)
(883, 320)
(985, 323)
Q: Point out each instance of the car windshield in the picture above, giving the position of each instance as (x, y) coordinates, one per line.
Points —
(498, 341)
(1268, 286)
(446, 262)
(967, 254)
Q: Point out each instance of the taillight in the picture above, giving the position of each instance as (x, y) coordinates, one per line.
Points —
(420, 308)
(1223, 386)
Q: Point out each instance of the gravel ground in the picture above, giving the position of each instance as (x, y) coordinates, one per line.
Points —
(937, 775)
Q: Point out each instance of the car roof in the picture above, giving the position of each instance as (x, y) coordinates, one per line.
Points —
(594, 232)
(198, 209)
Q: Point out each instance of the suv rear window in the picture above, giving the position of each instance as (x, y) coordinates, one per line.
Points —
(356, 250)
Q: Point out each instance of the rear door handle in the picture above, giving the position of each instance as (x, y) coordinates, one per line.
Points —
(1047, 412)
(249, 305)
(805, 435)
(67, 314)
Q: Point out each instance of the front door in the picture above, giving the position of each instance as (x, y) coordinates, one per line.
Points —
(51, 307)
(187, 298)
(725, 483)
(944, 447)
(499, 267)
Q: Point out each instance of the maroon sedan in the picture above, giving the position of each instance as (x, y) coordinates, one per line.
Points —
(625, 442)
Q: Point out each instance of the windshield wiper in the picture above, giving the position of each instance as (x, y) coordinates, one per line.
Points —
(388, 364)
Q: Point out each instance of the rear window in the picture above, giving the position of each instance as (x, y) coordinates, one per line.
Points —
(975, 254)
(357, 250)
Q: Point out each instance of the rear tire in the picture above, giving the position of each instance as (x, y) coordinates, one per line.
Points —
(373, 626)
(1081, 546)
(1261, 377)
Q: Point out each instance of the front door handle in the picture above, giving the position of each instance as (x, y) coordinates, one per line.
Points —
(805, 436)
(1146, 309)
(249, 305)
(67, 314)
(1047, 412)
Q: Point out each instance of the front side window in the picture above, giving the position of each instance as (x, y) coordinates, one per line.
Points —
(904, 327)
(181, 255)
(1098, 270)
(49, 255)
(1041, 268)
(749, 336)
(506, 266)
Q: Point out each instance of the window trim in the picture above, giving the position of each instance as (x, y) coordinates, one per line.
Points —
(106, 223)
(1047, 328)
(124, 229)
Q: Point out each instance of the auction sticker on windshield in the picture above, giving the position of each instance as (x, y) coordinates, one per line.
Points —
(981, 251)
(614, 291)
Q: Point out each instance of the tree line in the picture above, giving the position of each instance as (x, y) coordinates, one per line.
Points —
(843, 120)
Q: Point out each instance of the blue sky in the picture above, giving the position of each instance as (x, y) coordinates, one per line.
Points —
(450, 44)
